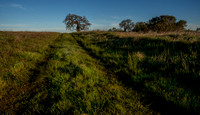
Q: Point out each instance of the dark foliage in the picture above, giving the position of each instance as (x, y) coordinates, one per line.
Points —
(73, 20)
(166, 23)
(141, 27)
(127, 25)
(163, 23)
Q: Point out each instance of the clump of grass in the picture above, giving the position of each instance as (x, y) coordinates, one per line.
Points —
(133, 62)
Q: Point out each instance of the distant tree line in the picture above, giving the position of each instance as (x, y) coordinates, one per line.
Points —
(163, 23)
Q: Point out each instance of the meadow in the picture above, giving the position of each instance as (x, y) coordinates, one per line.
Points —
(99, 73)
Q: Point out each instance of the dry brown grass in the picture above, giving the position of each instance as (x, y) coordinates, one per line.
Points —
(169, 36)
(154, 34)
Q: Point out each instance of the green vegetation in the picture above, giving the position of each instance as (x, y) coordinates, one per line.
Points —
(163, 23)
(66, 80)
(83, 86)
(163, 68)
(21, 56)
(99, 73)
(127, 25)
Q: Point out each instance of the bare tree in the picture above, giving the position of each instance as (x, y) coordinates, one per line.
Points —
(127, 25)
(73, 20)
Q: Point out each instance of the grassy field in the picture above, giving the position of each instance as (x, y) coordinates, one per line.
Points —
(99, 73)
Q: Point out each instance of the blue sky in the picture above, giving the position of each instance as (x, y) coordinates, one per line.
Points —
(47, 15)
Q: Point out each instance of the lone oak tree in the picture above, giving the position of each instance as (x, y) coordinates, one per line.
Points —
(73, 20)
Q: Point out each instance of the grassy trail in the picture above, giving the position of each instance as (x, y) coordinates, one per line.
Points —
(81, 85)
(97, 73)
(69, 80)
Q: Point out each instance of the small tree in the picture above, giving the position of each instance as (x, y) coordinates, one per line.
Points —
(168, 23)
(141, 27)
(180, 25)
(127, 25)
(73, 20)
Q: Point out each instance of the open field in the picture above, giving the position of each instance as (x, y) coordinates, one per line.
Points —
(99, 73)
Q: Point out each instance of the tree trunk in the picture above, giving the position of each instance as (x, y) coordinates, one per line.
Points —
(124, 29)
(78, 28)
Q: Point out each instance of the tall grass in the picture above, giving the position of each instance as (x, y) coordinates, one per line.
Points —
(79, 85)
(63, 79)
(21, 54)
(168, 35)
(99, 73)
(162, 66)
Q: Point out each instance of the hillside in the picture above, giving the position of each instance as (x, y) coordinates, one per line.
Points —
(99, 73)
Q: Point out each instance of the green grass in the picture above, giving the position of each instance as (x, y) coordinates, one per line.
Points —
(161, 66)
(99, 73)
(83, 86)
(21, 54)
(69, 81)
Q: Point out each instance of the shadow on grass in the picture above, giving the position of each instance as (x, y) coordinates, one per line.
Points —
(151, 47)
(169, 50)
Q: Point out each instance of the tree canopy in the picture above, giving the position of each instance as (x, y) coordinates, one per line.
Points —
(127, 25)
(163, 23)
(166, 23)
(141, 27)
(73, 20)
(181, 24)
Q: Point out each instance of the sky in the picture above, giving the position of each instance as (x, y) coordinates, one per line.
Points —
(48, 15)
